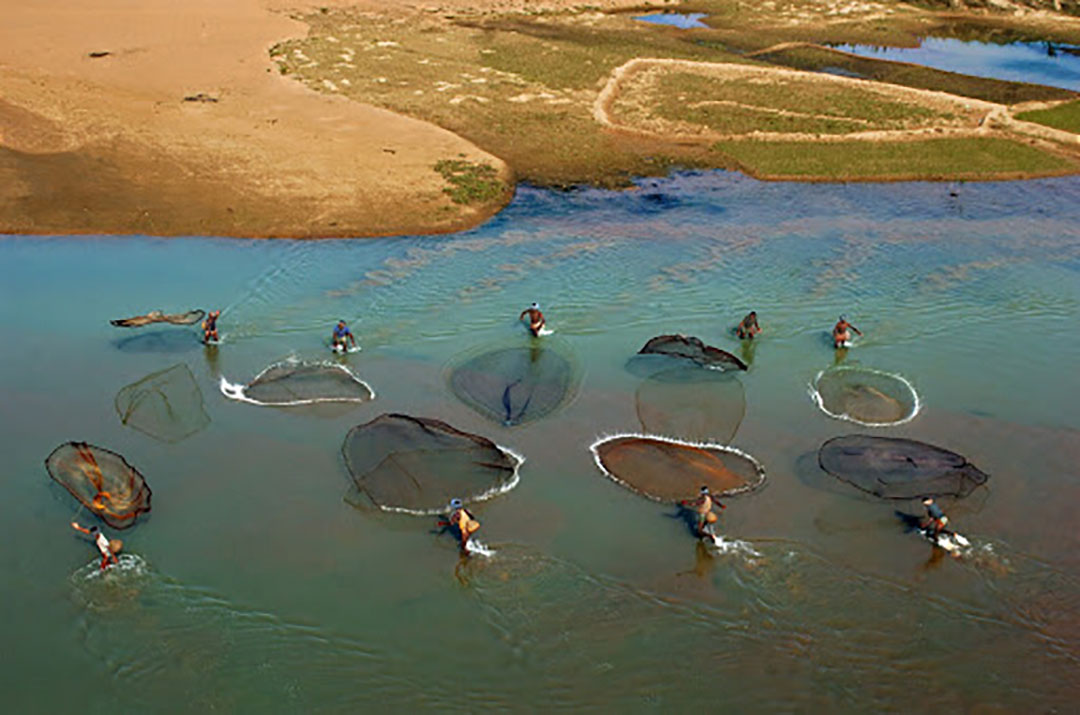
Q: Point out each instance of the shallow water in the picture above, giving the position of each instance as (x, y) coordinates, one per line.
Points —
(681, 20)
(1049, 64)
(264, 584)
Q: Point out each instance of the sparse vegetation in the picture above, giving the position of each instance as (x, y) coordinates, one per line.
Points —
(470, 183)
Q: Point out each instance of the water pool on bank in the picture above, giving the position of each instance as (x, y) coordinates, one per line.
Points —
(263, 587)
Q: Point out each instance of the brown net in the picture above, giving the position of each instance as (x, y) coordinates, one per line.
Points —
(668, 470)
(102, 481)
(418, 465)
(514, 385)
(156, 316)
(894, 468)
(690, 348)
(692, 404)
(166, 405)
(865, 396)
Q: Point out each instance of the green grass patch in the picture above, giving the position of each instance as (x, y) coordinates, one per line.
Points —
(470, 183)
(1064, 116)
(981, 157)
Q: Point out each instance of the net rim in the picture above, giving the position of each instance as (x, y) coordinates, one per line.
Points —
(129, 520)
(817, 399)
(237, 391)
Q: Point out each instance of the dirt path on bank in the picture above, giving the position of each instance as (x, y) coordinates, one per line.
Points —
(152, 116)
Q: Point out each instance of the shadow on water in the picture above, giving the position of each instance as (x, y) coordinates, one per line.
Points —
(159, 341)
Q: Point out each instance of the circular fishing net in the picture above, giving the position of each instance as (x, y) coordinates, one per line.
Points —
(690, 348)
(515, 385)
(894, 468)
(292, 382)
(102, 481)
(156, 316)
(166, 405)
(692, 404)
(418, 465)
(868, 397)
(670, 470)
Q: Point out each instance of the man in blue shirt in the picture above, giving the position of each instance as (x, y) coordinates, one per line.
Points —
(341, 332)
(935, 517)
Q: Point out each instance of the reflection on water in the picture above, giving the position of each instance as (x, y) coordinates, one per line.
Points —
(280, 594)
(1047, 63)
(682, 20)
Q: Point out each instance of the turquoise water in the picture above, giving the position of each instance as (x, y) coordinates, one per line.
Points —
(262, 583)
(1050, 64)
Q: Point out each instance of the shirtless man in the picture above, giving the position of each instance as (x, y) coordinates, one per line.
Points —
(749, 327)
(209, 326)
(341, 332)
(536, 318)
(703, 507)
(841, 333)
(462, 522)
(109, 548)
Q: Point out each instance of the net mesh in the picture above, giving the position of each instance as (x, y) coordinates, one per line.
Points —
(691, 348)
(692, 404)
(668, 470)
(301, 383)
(895, 468)
(866, 396)
(156, 316)
(167, 405)
(102, 481)
(514, 385)
(419, 464)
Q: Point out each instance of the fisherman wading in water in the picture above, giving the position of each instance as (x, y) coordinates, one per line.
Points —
(749, 327)
(462, 523)
(703, 507)
(109, 548)
(209, 327)
(936, 521)
(841, 333)
(340, 335)
(536, 319)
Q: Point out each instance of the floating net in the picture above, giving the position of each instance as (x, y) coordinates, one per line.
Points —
(894, 468)
(670, 470)
(690, 348)
(692, 404)
(156, 316)
(515, 385)
(418, 465)
(102, 481)
(867, 397)
(292, 382)
(166, 405)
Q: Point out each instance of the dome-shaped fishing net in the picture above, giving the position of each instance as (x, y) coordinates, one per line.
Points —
(690, 348)
(894, 468)
(102, 481)
(692, 404)
(515, 385)
(417, 464)
(669, 470)
(156, 316)
(166, 405)
(293, 382)
(865, 396)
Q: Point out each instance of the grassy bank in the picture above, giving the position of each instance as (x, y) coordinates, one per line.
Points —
(1064, 116)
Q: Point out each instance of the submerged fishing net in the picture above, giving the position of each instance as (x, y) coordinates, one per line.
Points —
(690, 348)
(418, 464)
(166, 405)
(293, 382)
(668, 470)
(692, 404)
(102, 480)
(156, 316)
(868, 397)
(514, 385)
(894, 468)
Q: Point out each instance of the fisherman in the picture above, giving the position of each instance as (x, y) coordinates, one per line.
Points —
(703, 507)
(209, 326)
(749, 327)
(461, 521)
(109, 548)
(935, 517)
(341, 332)
(841, 333)
(536, 318)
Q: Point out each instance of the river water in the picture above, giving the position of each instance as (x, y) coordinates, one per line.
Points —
(256, 584)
